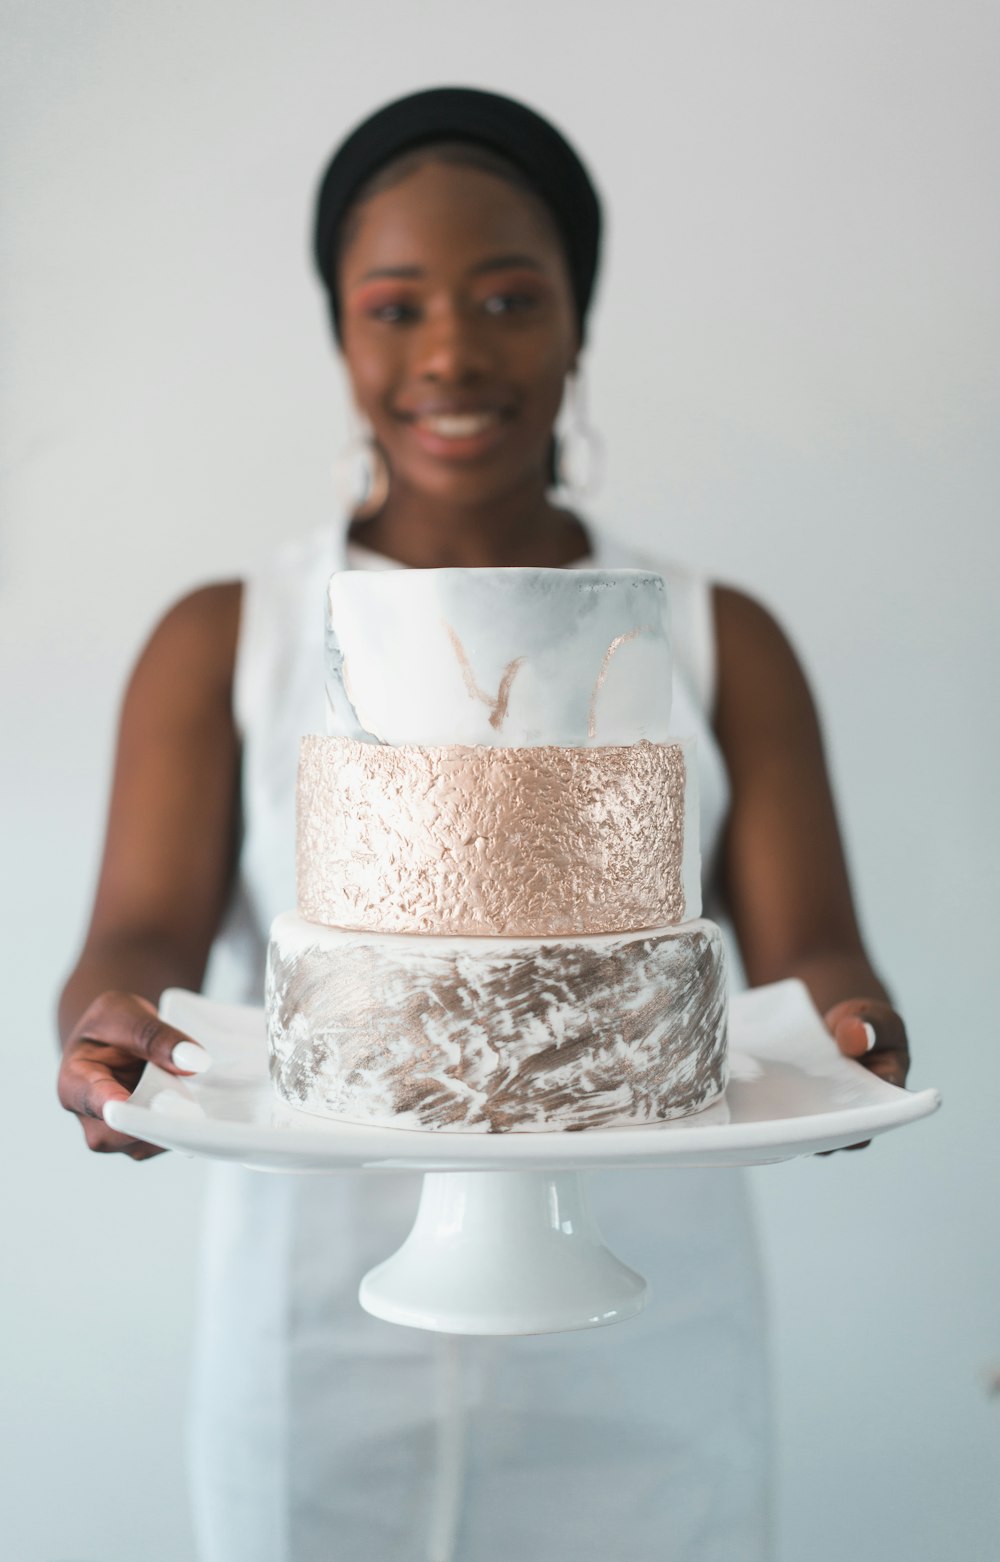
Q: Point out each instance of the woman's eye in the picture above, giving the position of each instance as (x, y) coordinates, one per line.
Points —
(393, 313)
(509, 303)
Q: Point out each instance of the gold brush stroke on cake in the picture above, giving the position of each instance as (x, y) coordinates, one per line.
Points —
(497, 841)
(555, 1036)
(615, 645)
(497, 707)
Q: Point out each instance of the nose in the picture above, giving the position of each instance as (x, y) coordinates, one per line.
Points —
(450, 348)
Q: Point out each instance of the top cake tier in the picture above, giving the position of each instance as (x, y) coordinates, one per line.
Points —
(512, 658)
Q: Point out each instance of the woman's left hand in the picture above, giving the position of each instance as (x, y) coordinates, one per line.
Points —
(872, 1033)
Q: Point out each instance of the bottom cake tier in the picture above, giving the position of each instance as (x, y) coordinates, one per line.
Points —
(497, 1035)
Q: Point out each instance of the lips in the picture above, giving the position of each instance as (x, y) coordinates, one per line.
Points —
(457, 425)
(458, 433)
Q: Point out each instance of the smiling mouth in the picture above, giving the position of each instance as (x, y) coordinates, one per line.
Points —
(458, 425)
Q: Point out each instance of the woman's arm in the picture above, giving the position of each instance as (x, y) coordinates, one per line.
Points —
(169, 858)
(784, 874)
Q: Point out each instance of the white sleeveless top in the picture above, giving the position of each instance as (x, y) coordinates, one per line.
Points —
(314, 1426)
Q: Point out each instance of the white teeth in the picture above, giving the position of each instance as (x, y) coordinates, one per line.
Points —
(460, 425)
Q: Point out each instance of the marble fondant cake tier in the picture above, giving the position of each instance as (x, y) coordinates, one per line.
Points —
(496, 841)
(505, 657)
(482, 1035)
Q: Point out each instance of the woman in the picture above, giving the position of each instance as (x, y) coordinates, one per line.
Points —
(457, 235)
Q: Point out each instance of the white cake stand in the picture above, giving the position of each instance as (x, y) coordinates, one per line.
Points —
(503, 1241)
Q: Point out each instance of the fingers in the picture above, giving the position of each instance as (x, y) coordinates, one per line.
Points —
(872, 1033)
(104, 1057)
(105, 1141)
(132, 1025)
(92, 1074)
(854, 1036)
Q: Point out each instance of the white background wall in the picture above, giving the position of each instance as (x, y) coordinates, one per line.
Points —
(794, 365)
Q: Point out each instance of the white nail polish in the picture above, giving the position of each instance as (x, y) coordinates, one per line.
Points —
(190, 1057)
(870, 1033)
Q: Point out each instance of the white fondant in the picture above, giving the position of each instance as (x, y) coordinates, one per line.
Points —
(505, 657)
(292, 934)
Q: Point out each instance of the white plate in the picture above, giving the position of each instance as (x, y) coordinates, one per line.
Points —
(791, 1093)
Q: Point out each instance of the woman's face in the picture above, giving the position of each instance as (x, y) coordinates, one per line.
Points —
(458, 330)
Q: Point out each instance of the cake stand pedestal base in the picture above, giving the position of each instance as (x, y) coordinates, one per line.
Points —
(503, 1253)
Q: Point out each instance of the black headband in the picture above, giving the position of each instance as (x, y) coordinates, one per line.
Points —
(534, 146)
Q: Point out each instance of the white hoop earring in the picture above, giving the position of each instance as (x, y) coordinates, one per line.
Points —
(361, 476)
(578, 459)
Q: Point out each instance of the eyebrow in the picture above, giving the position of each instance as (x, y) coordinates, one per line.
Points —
(392, 271)
(494, 263)
(506, 263)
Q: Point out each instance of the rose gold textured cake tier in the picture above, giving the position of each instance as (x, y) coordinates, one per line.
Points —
(505, 842)
(484, 1035)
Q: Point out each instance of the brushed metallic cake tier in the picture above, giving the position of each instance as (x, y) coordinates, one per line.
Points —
(493, 841)
(485, 1035)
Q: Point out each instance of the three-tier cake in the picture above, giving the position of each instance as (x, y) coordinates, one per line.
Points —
(498, 924)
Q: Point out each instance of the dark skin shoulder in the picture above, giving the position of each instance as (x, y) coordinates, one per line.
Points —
(783, 869)
(169, 857)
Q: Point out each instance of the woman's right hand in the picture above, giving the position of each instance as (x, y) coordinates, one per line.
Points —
(104, 1055)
